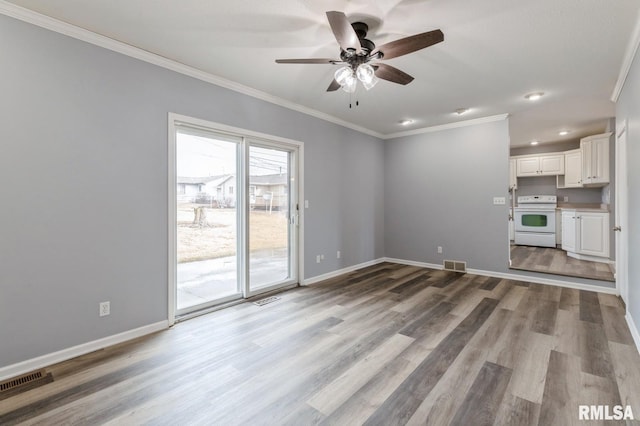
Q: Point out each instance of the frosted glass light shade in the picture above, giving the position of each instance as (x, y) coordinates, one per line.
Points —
(342, 74)
(371, 83)
(350, 84)
(365, 73)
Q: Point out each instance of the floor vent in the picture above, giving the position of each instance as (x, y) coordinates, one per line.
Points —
(266, 301)
(455, 266)
(24, 383)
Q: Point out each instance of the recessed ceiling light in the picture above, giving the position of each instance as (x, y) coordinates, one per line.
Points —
(534, 96)
(461, 111)
(405, 122)
(534, 142)
(563, 132)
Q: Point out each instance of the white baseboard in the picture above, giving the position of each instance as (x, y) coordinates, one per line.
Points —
(318, 278)
(633, 329)
(412, 263)
(72, 352)
(515, 277)
(548, 281)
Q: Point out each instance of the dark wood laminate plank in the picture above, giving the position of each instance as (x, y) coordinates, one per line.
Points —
(427, 321)
(516, 411)
(449, 278)
(594, 350)
(590, 307)
(480, 406)
(544, 317)
(418, 282)
(569, 300)
(562, 386)
(490, 284)
(400, 406)
(448, 395)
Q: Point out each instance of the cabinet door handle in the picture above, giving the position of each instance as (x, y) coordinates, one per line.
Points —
(617, 228)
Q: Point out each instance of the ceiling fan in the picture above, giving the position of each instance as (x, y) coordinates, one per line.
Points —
(356, 53)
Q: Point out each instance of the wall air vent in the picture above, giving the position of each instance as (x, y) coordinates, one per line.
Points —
(455, 266)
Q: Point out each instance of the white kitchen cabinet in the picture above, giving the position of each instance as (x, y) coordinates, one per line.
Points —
(513, 178)
(540, 165)
(569, 230)
(595, 160)
(572, 177)
(585, 235)
(592, 233)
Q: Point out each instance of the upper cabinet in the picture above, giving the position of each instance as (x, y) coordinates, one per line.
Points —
(540, 165)
(513, 180)
(572, 177)
(595, 160)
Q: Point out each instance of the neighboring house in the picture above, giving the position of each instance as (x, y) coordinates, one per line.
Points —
(269, 192)
(208, 189)
(221, 189)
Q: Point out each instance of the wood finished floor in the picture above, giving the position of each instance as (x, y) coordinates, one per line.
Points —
(385, 345)
(555, 261)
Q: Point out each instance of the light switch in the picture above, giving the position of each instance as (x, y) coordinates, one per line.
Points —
(306, 204)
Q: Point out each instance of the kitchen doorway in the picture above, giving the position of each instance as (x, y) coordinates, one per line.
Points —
(572, 236)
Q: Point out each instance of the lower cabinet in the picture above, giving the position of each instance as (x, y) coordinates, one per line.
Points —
(585, 233)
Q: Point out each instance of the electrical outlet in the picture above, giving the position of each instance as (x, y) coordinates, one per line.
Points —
(499, 201)
(105, 309)
(439, 249)
(318, 259)
(338, 255)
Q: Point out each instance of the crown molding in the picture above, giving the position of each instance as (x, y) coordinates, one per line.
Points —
(448, 126)
(632, 48)
(55, 25)
(64, 28)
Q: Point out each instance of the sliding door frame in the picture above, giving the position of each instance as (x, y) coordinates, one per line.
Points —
(249, 137)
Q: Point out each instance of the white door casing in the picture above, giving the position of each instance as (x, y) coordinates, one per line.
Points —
(622, 212)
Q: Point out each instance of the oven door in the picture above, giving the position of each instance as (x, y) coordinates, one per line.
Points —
(531, 220)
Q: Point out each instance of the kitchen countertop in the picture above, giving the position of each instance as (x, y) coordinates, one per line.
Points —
(584, 207)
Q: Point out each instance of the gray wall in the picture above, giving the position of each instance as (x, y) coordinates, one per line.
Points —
(439, 192)
(84, 186)
(628, 108)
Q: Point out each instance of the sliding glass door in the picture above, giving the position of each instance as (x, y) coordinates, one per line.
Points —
(206, 218)
(233, 216)
(272, 216)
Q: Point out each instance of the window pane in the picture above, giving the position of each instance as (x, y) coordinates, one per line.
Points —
(206, 219)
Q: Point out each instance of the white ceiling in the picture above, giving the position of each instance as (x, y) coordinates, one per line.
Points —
(494, 52)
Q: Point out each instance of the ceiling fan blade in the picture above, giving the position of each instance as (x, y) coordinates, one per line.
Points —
(308, 61)
(333, 86)
(393, 74)
(343, 31)
(410, 44)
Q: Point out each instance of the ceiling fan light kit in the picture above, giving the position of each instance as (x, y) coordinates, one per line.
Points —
(356, 53)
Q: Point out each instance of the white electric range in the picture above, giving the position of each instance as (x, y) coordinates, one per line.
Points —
(535, 220)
